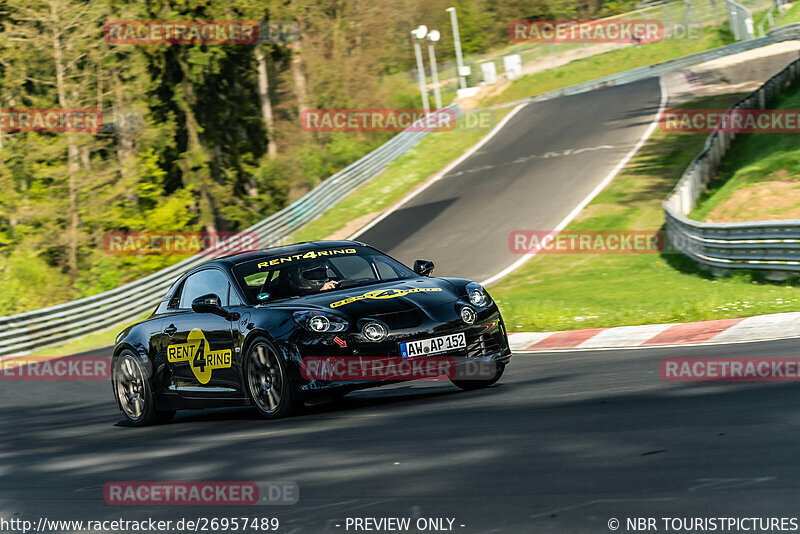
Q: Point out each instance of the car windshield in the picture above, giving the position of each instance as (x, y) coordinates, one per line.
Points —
(310, 272)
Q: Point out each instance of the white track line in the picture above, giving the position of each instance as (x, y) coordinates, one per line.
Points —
(438, 176)
(624, 161)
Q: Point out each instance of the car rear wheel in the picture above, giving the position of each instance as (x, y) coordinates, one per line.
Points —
(469, 384)
(134, 392)
(267, 380)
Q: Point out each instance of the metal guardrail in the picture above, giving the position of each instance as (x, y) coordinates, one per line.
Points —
(773, 246)
(23, 332)
(642, 73)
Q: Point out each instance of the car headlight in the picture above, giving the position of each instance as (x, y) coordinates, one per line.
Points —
(319, 321)
(477, 295)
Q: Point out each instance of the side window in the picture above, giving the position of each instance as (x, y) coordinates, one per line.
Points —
(386, 271)
(175, 300)
(202, 283)
(233, 297)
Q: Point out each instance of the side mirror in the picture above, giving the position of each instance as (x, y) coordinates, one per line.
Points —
(211, 303)
(423, 267)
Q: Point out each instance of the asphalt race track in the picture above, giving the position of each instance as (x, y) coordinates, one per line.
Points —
(556, 149)
(565, 442)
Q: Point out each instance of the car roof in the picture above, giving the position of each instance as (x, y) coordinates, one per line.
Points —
(305, 246)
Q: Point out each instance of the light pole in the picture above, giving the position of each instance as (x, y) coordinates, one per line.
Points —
(418, 34)
(462, 81)
(434, 36)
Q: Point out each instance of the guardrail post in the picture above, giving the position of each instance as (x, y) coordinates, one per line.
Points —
(777, 276)
(762, 104)
(685, 199)
(719, 272)
(693, 179)
(713, 160)
(699, 185)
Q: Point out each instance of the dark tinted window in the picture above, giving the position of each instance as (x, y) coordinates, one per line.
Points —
(305, 273)
(202, 283)
(355, 267)
(386, 269)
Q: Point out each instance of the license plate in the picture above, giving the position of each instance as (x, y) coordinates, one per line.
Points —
(433, 345)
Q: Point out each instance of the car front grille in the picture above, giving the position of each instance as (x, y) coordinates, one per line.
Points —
(482, 345)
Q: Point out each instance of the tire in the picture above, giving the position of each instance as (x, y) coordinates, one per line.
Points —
(267, 380)
(468, 385)
(134, 391)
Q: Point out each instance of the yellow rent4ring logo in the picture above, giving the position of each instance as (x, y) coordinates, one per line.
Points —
(201, 358)
(383, 294)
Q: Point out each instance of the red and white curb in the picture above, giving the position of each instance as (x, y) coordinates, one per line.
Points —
(758, 328)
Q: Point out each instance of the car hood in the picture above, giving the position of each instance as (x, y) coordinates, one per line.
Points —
(380, 299)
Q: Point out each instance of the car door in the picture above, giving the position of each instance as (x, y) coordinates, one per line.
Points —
(200, 347)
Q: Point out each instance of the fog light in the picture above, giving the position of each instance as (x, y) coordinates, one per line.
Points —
(468, 315)
(374, 331)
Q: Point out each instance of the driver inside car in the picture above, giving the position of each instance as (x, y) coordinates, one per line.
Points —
(311, 277)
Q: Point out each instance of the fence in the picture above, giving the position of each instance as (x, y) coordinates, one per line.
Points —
(642, 73)
(741, 20)
(773, 246)
(677, 17)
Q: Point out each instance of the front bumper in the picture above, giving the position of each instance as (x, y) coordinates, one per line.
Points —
(486, 343)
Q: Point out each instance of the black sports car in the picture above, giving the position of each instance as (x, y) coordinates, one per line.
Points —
(242, 330)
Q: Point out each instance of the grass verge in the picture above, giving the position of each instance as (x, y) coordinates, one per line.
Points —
(790, 15)
(754, 162)
(583, 70)
(562, 292)
(405, 173)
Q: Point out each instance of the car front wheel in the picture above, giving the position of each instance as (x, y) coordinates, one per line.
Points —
(267, 380)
